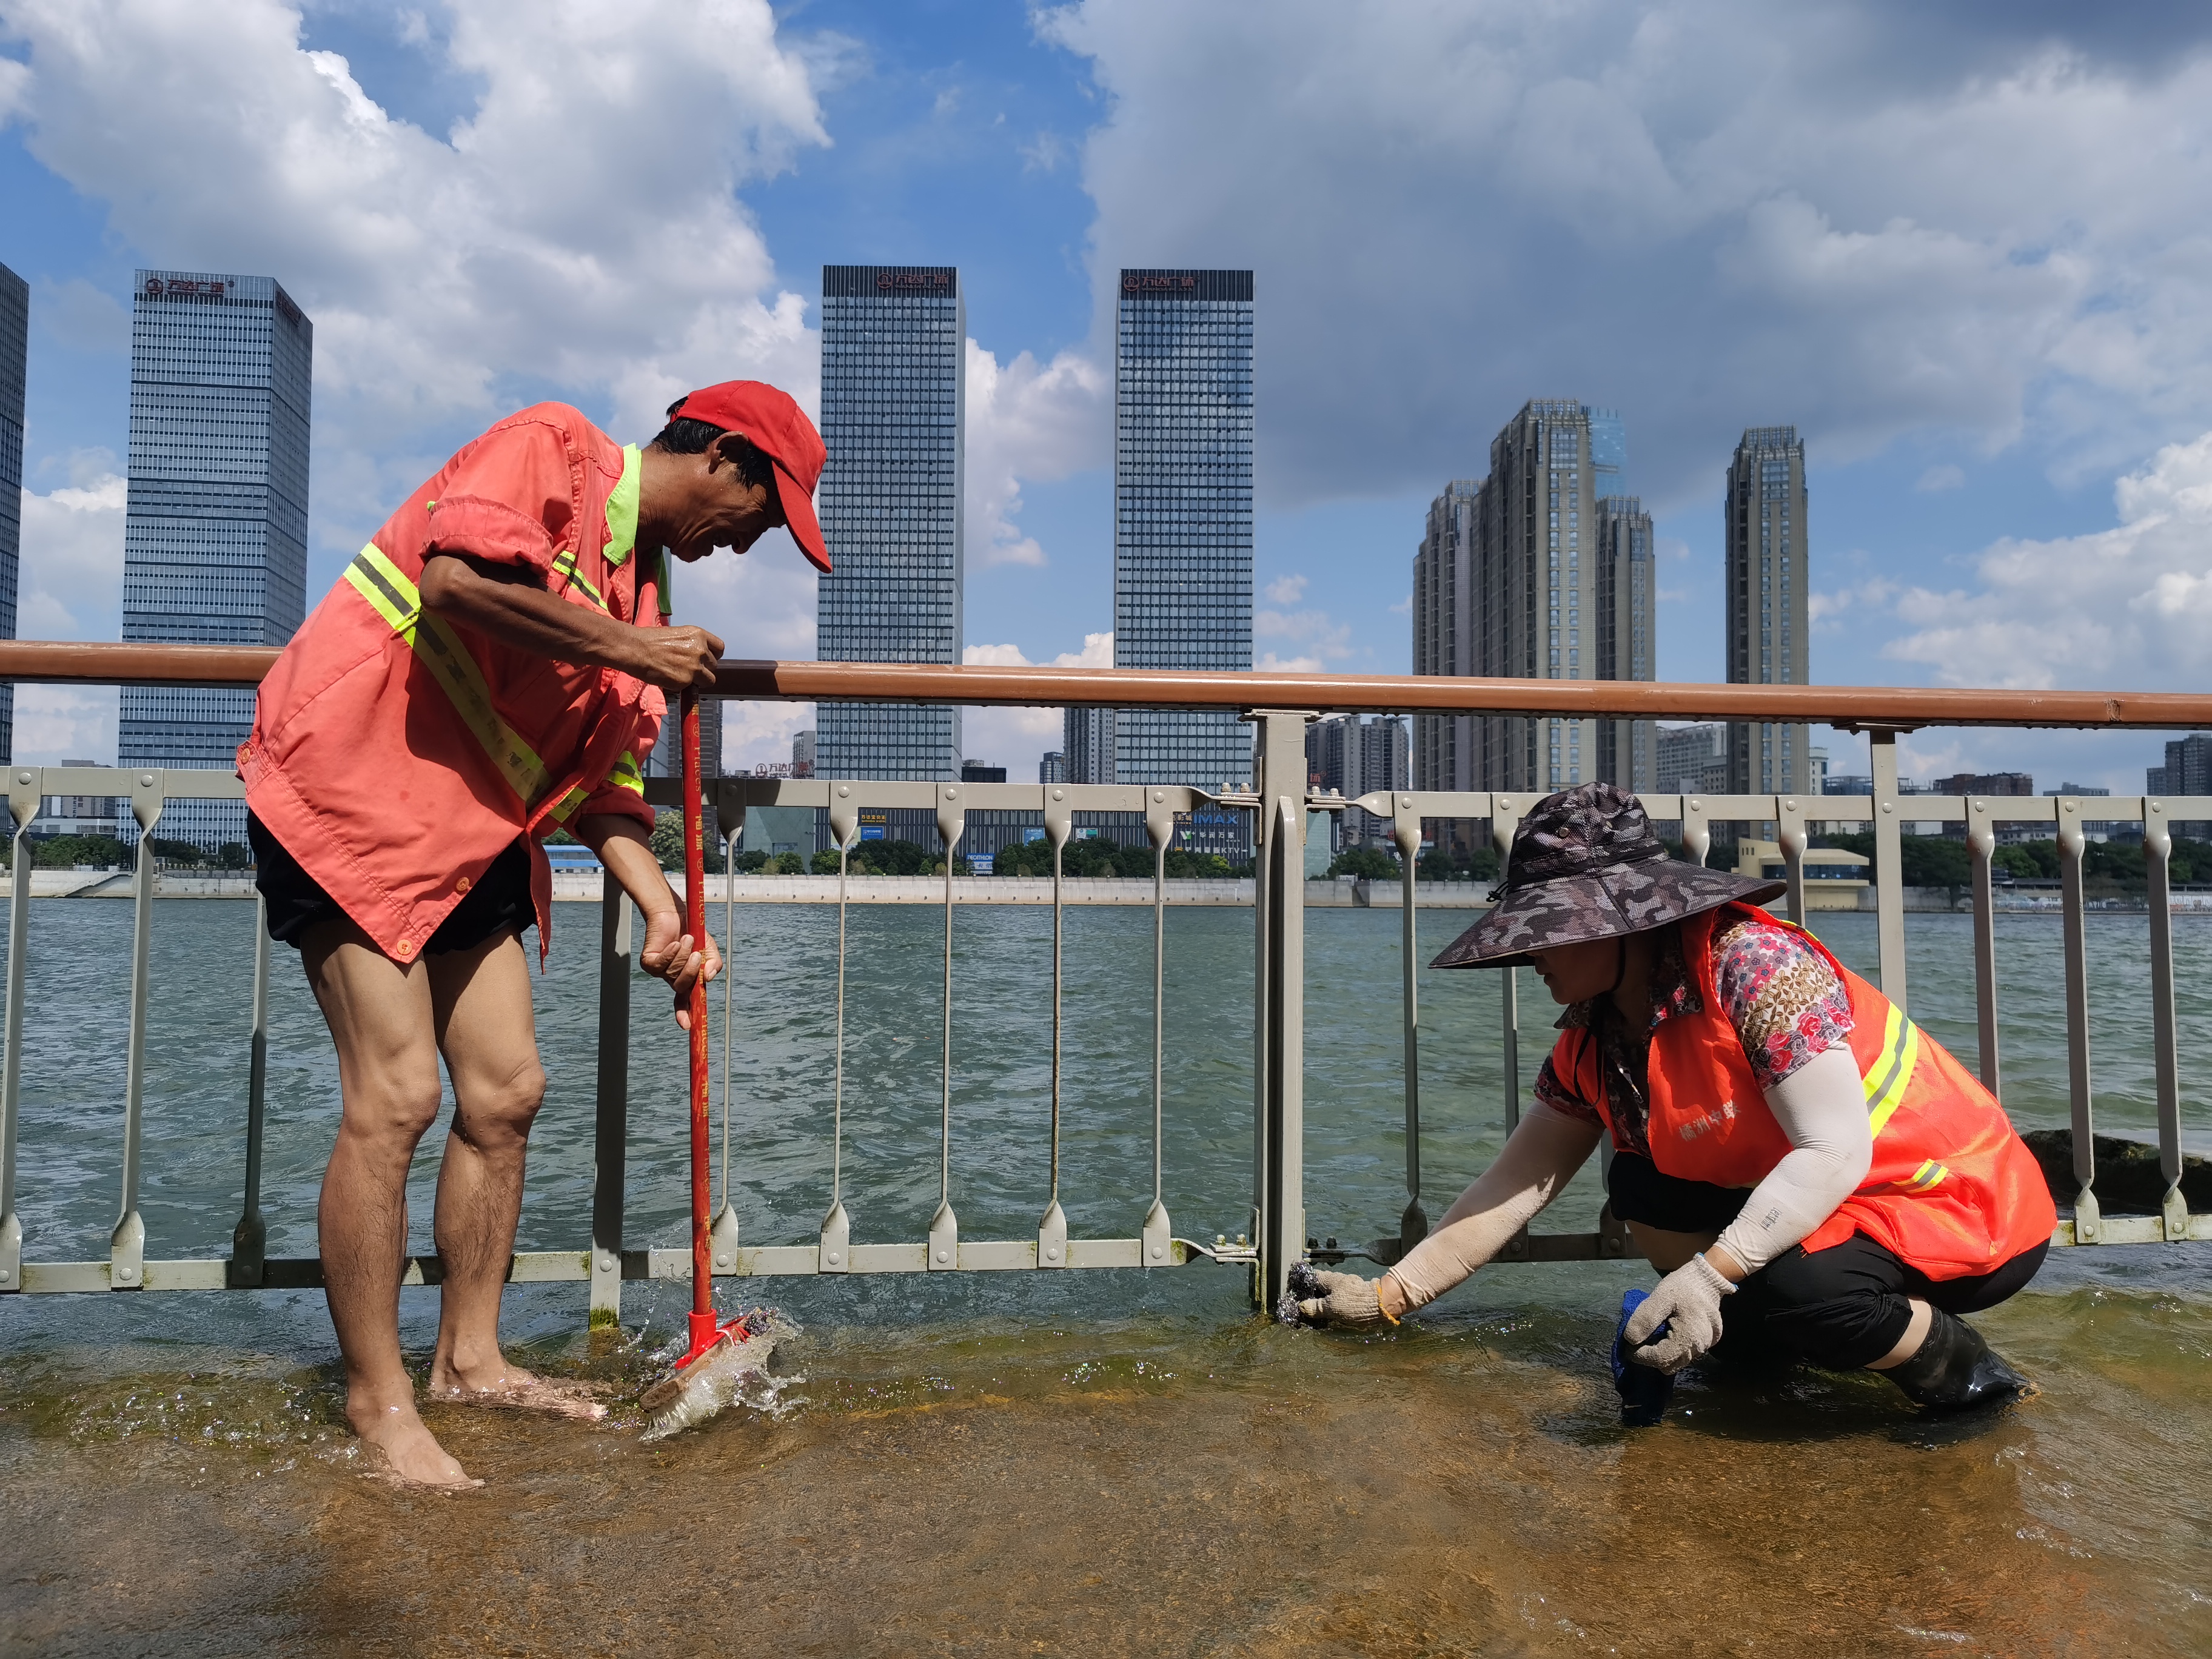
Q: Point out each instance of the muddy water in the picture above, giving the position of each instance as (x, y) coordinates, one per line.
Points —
(1087, 1462)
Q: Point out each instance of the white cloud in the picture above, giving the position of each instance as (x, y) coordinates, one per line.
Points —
(1014, 738)
(1937, 479)
(1327, 638)
(1026, 421)
(70, 584)
(549, 238)
(2129, 605)
(1284, 590)
(1708, 213)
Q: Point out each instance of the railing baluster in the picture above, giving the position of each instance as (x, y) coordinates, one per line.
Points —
(722, 1235)
(1158, 1236)
(2158, 847)
(1888, 871)
(23, 798)
(1790, 833)
(1981, 841)
(1281, 974)
(944, 1226)
(249, 1240)
(126, 1245)
(1406, 830)
(2087, 1220)
(836, 1254)
(1052, 1229)
(1504, 818)
(611, 1110)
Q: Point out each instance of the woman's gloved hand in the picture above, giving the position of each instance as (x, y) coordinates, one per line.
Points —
(1688, 1302)
(1338, 1301)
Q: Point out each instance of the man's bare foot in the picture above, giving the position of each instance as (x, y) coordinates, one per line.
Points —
(516, 1389)
(401, 1451)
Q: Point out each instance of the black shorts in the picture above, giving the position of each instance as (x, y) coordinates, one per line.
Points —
(499, 903)
(1842, 1307)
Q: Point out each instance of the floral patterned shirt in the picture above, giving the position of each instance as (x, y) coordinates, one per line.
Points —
(1786, 1003)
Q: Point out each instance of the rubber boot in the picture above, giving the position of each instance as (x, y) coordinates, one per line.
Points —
(1955, 1370)
(1644, 1392)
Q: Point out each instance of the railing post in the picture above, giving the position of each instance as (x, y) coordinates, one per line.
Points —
(1981, 841)
(1156, 1237)
(249, 1240)
(610, 1127)
(23, 801)
(2088, 1221)
(1790, 833)
(1279, 1103)
(943, 1225)
(1406, 830)
(2158, 847)
(126, 1245)
(1888, 872)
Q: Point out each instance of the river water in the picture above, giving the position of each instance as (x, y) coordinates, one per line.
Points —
(1091, 1462)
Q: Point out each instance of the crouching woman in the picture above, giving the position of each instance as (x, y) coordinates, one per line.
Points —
(1813, 1175)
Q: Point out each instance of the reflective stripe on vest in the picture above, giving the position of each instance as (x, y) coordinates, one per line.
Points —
(397, 600)
(564, 566)
(625, 775)
(1891, 1072)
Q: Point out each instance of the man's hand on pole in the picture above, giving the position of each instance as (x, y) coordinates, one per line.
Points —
(669, 953)
(675, 659)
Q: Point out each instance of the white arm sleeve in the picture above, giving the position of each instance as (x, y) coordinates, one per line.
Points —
(1539, 1157)
(1821, 1107)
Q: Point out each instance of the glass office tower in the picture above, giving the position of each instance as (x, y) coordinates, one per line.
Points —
(215, 543)
(1182, 512)
(1767, 604)
(14, 330)
(894, 394)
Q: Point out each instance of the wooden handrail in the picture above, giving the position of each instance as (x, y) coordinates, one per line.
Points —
(1899, 707)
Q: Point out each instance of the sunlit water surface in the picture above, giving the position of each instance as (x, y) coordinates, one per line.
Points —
(1097, 1463)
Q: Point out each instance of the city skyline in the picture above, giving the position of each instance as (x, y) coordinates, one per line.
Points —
(214, 537)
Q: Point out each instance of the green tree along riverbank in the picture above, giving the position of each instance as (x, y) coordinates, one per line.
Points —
(2113, 867)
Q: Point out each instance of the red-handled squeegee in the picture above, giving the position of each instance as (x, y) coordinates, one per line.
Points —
(720, 1351)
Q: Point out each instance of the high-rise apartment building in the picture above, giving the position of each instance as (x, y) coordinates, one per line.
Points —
(1691, 759)
(1087, 741)
(1183, 514)
(2187, 771)
(1626, 585)
(14, 356)
(1052, 766)
(894, 401)
(1525, 576)
(1356, 758)
(215, 539)
(1766, 569)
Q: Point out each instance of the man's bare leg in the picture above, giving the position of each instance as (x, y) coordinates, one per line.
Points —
(488, 1036)
(380, 1018)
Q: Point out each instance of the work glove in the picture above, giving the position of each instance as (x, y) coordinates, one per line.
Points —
(1342, 1302)
(1688, 1302)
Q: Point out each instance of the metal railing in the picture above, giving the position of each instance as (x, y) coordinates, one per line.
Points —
(1281, 801)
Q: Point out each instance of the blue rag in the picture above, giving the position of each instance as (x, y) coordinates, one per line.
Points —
(1644, 1392)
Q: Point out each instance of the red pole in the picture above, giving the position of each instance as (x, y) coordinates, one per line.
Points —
(695, 923)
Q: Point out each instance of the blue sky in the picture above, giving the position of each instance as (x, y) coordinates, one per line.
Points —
(1966, 258)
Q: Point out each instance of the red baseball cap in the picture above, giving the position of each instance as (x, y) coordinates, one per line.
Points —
(779, 428)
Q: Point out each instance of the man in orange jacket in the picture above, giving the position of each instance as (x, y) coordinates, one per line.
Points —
(491, 669)
(1815, 1177)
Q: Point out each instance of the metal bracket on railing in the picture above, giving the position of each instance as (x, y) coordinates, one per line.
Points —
(23, 801)
(126, 1245)
(1791, 835)
(1981, 845)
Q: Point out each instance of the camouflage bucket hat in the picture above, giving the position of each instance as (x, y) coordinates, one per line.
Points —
(1587, 865)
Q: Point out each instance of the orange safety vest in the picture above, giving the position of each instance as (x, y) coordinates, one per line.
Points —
(1952, 1191)
(396, 754)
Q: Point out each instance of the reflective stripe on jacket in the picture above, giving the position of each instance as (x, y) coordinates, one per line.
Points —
(1952, 1190)
(396, 753)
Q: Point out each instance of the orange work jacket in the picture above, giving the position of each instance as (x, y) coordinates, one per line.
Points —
(395, 754)
(1952, 1190)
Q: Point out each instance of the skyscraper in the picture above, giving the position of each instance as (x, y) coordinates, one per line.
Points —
(1627, 583)
(1355, 758)
(1087, 743)
(894, 401)
(1523, 577)
(14, 330)
(1183, 514)
(215, 539)
(1765, 572)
